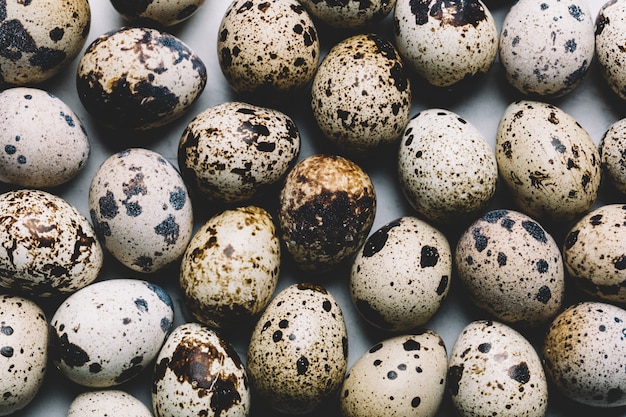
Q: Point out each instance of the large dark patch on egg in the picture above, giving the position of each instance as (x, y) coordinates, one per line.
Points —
(16, 41)
(452, 12)
(62, 350)
(377, 240)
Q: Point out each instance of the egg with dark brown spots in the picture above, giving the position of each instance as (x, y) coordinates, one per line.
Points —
(609, 34)
(141, 209)
(199, 373)
(107, 402)
(137, 78)
(495, 370)
(327, 207)
(298, 351)
(583, 354)
(157, 12)
(352, 14)
(612, 149)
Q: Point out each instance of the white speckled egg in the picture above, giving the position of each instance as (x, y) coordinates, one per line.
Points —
(230, 269)
(446, 42)
(106, 333)
(402, 376)
(47, 247)
(447, 170)
(44, 142)
(361, 94)
(610, 33)
(233, 152)
(298, 351)
(267, 49)
(23, 352)
(141, 209)
(494, 370)
(326, 209)
(139, 78)
(612, 150)
(548, 161)
(584, 353)
(512, 268)
(40, 38)
(351, 14)
(107, 403)
(401, 276)
(161, 12)
(546, 47)
(197, 373)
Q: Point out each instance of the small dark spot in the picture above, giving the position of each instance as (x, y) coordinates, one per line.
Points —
(502, 258)
(535, 230)
(480, 241)
(602, 328)
(376, 348)
(520, 373)
(302, 364)
(169, 229)
(614, 395)
(392, 374)
(455, 373)
(141, 304)
(443, 284)
(429, 256)
(558, 145)
(484, 347)
(415, 402)
(542, 266)
(411, 344)
(326, 305)
(277, 336)
(6, 330)
(178, 198)
(6, 351)
(10, 149)
(620, 263)
(544, 294)
(95, 367)
(378, 239)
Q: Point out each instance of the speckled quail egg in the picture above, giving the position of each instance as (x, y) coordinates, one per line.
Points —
(546, 47)
(267, 50)
(230, 268)
(107, 403)
(233, 152)
(326, 209)
(495, 370)
(198, 373)
(39, 38)
(612, 150)
(106, 333)
(139, 78)
(584, 351)
(446, 42)
(47, 247)
(23, 352)
(610, 34)
(401, 376)
(446, 168)
(361, 94)
(351, 14)
(401, 275)
(298, 351)
(512, 268)
(141, 209)
(45, 143)
(548, 161)
(161, 12)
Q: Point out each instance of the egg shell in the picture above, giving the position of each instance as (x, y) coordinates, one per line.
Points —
(107, 403)
(584, 351)
(197, 373)
(495, 370)
(23, 352)
(40, 38)
(401, 275)
(546, 47)
(446, 168)
(610, 32)
(234, 151)
(361, 94)
(446, 43)
(612, 150)
(47, 247)
(106, 333)
(327, 207)
(45, 143)
(298, 351)
(401, 376)
(267, 50)
(141, 209)
(512, 268)
(548, 161)
(230, 268)
(138, 78)
(350, 14)
(159, 12)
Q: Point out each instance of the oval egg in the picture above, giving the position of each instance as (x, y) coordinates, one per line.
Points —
(107, 403)
(351, 14)
(610, 32)
(162, 12)
(612, 150)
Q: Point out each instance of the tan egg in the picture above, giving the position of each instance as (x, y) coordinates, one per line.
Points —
(610, 33)
(612, 153)
(161, 12)
(107, 403)
(349, 14)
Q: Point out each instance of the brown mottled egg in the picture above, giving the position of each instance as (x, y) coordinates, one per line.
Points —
(447, 42)
(40, 38)
(447, 170)
(610, 33)
(512, 268)
(327, 208)
(584, 351)
(401, 275)
(141, 209)
(23, 352)
(267, 49)
(162, 12)
(139, 78)
(47, 247)
(107, 403)
(613, 154)
(402, 376)
(548, 161)
(351, 14)
(230, 269)
(494, 370)
(234, 151)
(361, 95)
(298, 351)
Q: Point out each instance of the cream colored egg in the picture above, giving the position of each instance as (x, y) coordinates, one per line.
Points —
(107, 403)
(351, 14)
(612, 154)
(161, 12)
(610, 33)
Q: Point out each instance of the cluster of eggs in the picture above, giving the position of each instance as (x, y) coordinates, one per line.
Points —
(241, 154)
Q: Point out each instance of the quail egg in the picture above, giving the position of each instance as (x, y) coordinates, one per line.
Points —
(610, 34)
(613, 154)
(107, 403)
(351, 14)
(161, 12)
